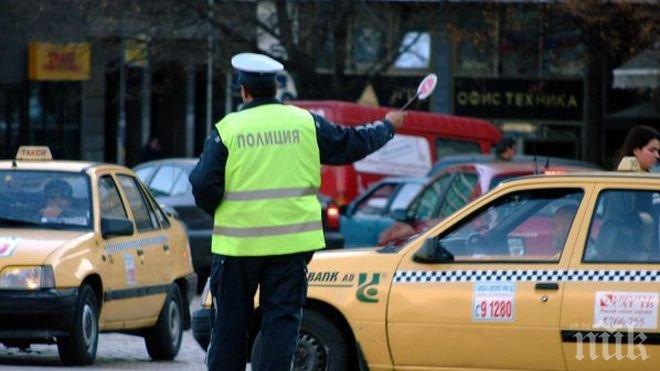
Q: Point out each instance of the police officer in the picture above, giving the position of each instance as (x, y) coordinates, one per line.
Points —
(258, 177)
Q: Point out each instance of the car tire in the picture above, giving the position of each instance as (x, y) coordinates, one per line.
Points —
(321, 345)
(163, 341)
(80, 348)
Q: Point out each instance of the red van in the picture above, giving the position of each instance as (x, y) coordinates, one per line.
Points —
(424, 139)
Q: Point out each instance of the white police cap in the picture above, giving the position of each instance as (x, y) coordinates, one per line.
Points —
(256, 63)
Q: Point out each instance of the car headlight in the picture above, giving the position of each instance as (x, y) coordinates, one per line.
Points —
(27, 278)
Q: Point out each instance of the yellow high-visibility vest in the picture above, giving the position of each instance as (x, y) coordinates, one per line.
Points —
(272, 177)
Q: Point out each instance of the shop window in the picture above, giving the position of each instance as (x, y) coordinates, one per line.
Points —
(519, 42)
(9, 123)
(327, 55)
(414, 51)
(476, 41)
(368, 39)
(54, 110)
(563, 51)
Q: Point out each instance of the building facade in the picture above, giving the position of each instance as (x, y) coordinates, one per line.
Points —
(95, 84)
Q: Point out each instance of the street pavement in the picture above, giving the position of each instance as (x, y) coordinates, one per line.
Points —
(115, 351)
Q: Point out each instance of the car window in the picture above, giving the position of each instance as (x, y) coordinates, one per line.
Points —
(624, 228)
(425, 204)
(405, 195)
(458, 194)
(376, 202)
(144, 172)
(145, 219)
(111, 205)
(181, 185)
(45, 199)
(160, 214)
(169, 180)
(445, 147)
(518, 226)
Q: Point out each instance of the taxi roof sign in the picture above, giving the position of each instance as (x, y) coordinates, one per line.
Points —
(33, 153)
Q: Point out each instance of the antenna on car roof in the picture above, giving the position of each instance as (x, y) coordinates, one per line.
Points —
(536, 165)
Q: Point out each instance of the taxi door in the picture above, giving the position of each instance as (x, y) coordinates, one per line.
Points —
(153, 264)
(609, 315)
(493, 300)
(121, 280)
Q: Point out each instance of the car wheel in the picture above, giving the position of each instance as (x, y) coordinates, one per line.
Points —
(321, 346)
(164, 339)
(80, 347)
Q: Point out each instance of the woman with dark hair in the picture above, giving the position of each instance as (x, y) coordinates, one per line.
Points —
(640, 149)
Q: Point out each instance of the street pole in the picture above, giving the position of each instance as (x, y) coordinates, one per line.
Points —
(146, 96)
(209, 72)
(121, 123)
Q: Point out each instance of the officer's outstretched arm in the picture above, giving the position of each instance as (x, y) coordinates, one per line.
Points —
(341, 145)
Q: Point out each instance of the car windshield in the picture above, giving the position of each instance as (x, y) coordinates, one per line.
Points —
(44, 199)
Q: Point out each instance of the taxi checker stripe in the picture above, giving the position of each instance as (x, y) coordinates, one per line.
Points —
(131, 245)
(527, 275)
(269, 193)
(267, 231)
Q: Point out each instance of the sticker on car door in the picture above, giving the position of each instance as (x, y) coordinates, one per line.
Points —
(494, 301)
(7, 245)
(131, 275)
(621, 309)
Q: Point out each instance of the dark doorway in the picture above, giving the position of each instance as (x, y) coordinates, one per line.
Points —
(133, 113)
(14, 128)
(168, 108)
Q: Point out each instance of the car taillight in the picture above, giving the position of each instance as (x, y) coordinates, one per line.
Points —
(332, 216)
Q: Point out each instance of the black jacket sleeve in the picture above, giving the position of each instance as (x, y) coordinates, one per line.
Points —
(208, 176)
(340, 145)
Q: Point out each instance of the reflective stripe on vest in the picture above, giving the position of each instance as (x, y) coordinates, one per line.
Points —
(272, 177)
(269, 193)
(267, 231)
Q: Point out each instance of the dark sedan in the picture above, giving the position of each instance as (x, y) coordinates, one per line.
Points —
(167, 180)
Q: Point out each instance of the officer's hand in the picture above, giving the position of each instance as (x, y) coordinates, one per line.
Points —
(396, 118)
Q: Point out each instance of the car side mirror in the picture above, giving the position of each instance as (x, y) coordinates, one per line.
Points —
(116, 227)
(432, 252)
(399, 215)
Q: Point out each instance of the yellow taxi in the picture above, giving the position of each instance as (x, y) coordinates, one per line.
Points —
(84, 248)
(542, 273)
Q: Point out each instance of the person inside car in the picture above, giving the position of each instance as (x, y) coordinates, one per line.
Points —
(58, 199)
(561, 224)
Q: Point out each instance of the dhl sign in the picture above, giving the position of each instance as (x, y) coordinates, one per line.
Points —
(56, 62)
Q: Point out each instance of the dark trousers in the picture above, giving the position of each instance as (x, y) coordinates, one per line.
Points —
(282, 281)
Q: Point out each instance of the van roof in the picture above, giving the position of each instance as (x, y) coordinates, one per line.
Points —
(348, 113)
